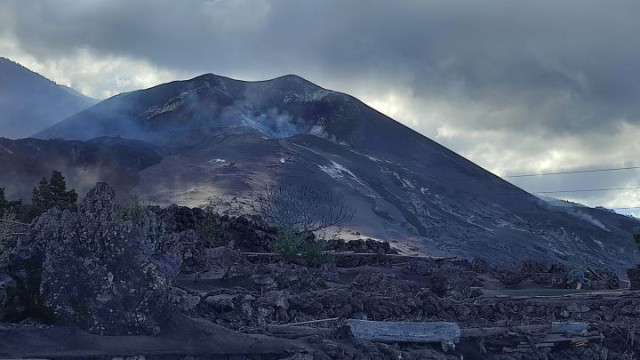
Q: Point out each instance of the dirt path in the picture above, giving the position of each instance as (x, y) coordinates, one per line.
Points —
(183, 335)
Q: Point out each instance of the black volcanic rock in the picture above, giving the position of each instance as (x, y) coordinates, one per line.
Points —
(634, 277)
(30, 103)
(109, 276)
(224, 137)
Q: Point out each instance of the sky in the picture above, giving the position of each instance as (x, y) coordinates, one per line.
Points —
(519, 87)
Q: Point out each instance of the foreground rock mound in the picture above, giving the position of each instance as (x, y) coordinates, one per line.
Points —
(109, 275)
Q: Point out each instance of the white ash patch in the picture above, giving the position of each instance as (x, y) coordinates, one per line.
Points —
(319, 131)
(172, 105)
(588, 218)
(405, 183)
(598, 242)
(373, 158)
(336, 170)
(307, 94)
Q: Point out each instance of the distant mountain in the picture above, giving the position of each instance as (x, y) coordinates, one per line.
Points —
(224, 137)
(30, 102)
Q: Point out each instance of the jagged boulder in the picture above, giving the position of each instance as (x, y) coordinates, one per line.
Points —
(634, 277)
(109, 275)
(5, 283)
(361, 246)
(385, 283)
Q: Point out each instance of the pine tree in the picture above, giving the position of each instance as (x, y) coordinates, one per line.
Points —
(53, 192)
(5, 206)
(3, 201)
(58, 188)
(14, 208)
(41, 198)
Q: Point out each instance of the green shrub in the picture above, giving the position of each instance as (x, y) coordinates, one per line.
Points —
(288, 244)
(209, 228)
(291, 246)
(313, 252)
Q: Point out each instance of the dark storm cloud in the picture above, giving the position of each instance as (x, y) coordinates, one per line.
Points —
(525, 54)
(542, 79)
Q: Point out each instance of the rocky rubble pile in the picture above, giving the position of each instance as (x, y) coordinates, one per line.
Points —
(91, 268)
(249, 234)
(360, 246)
(267, 296)
(249, 295)
(442, 293)
(261, 295)
(553, 275)
(115, 271)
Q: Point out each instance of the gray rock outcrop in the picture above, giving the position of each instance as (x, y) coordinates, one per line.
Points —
(109, 273)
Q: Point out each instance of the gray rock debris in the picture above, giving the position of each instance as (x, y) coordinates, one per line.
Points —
(110, 275)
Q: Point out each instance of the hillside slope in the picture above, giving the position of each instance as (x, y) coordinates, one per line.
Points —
(224, 137)
(29, 102)
(117, 161)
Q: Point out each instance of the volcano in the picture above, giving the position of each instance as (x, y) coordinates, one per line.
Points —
(228, 138)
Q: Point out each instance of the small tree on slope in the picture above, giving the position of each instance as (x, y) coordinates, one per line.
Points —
(302, 209)
(53, 192)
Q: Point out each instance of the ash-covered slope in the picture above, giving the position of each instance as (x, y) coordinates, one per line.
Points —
(229, 137)
(182, 114)
(30, 102)
(117, 161)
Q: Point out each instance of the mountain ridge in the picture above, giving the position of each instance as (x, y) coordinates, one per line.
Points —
(401, 133)
(30, 102)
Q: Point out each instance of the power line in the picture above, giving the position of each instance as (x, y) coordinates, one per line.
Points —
(574, 172)
(584, 190)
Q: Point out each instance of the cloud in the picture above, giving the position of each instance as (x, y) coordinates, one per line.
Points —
(515, 86)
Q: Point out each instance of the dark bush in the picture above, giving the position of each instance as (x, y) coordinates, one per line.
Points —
(293, 246)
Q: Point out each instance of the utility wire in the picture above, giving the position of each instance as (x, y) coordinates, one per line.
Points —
(584, 190)
(573, 172)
